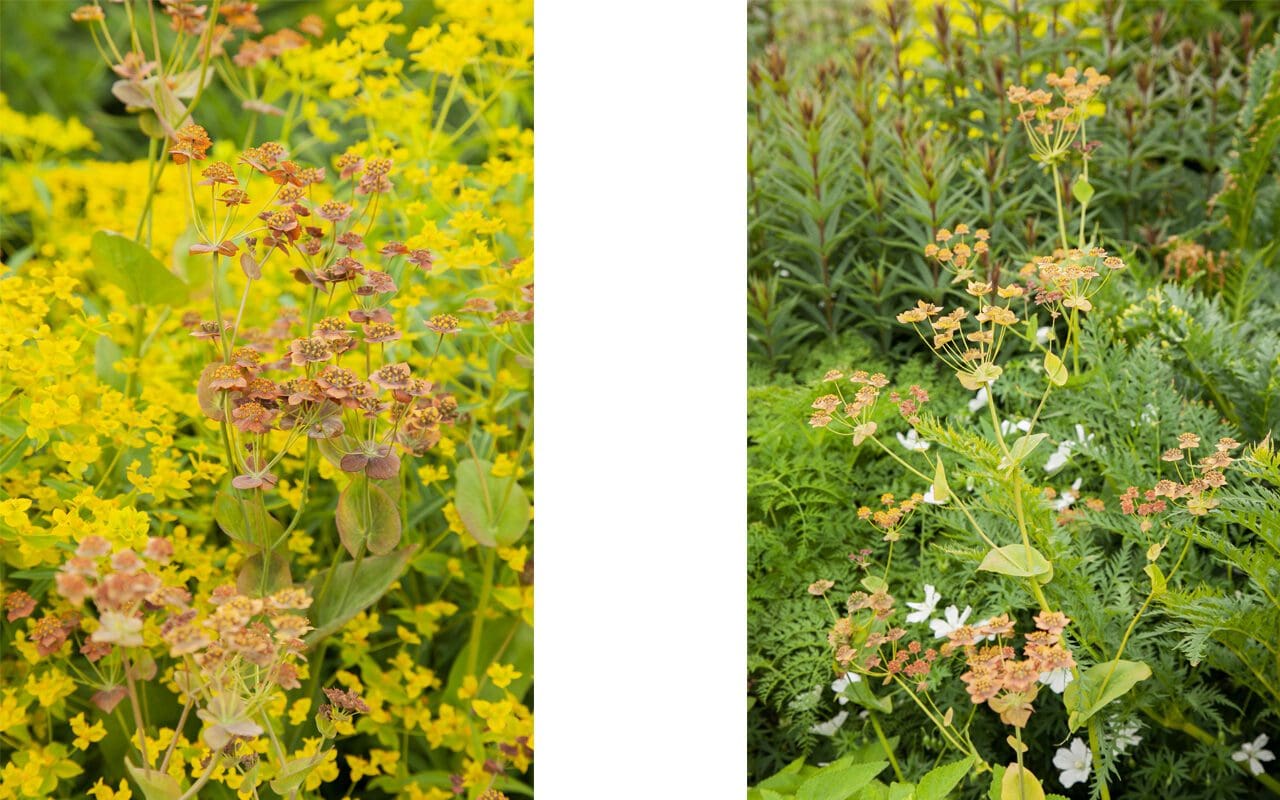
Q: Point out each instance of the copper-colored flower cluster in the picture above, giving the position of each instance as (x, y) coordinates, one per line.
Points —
(1068, 279)
(1192, 492)
(996, 676)
(364, 409)
(893, 517)
(870, 648)
(972, 353)
(849, 417)
(1072, 92)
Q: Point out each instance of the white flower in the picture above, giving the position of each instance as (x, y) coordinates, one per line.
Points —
(1059, 457)
(1042, 334)
(121, 629)
(840, 684)
(807, 700)
(913, 442)
(924, 610)
(1127, 737)
(991, 637)
(1007, 427)
(1254, 754)
(931, 499)
(954, 619)
(1068, 497)
(979, 400)
(1074, 763)
(1057, 679)
(832, 725)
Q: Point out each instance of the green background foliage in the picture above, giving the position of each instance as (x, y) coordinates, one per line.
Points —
(853, 162)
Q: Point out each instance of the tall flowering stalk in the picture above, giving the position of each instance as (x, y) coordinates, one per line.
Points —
(970, 341)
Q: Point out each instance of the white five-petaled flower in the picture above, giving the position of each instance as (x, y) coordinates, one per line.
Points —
(1074, 763)
(1068, 497)
(1127, 737)
(832, 725)
(1057, 679)
(1007, 427)
(922, 611)
(1060, 456)
(954, 619)
(913, 442)
(840, 684)
(979, 400)
(1254, 754)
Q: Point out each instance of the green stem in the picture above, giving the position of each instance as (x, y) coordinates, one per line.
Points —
(1057, 194)
(482, 608)
(888, 751)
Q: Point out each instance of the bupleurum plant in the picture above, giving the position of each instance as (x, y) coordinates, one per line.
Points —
(985, 493)
(265, 411)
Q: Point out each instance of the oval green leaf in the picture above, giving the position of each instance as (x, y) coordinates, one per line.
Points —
(367, 517)
(1016, 560)
(131, 266)
(1055, 369)
(495, 511)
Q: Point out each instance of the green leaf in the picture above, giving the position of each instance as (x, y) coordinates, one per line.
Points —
(1158, 584)
(1018, 561)
(1019, 784)
(1081, 190)
(1098, 686)
(874, 583)
(105, 355)
(939, 782)
(250, 581)
(293, 773)
(242, 516)
(839, 783)
(997, 775)
(131, 266)
(352, 590)
(1022, 448)
(980, 376)
(1055, 369)
(154, 785)
(862, 694)
(901, 791)
(367, 517)
(941, 491)
(494, 510)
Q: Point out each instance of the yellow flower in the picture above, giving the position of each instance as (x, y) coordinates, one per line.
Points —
(101, 791)
(78, 455)
(86, 734)
(12, 713)
(50, 687)
(502, 674)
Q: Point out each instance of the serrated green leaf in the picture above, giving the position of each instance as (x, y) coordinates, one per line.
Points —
(939, 782)
(838, 784)
(131, 266)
